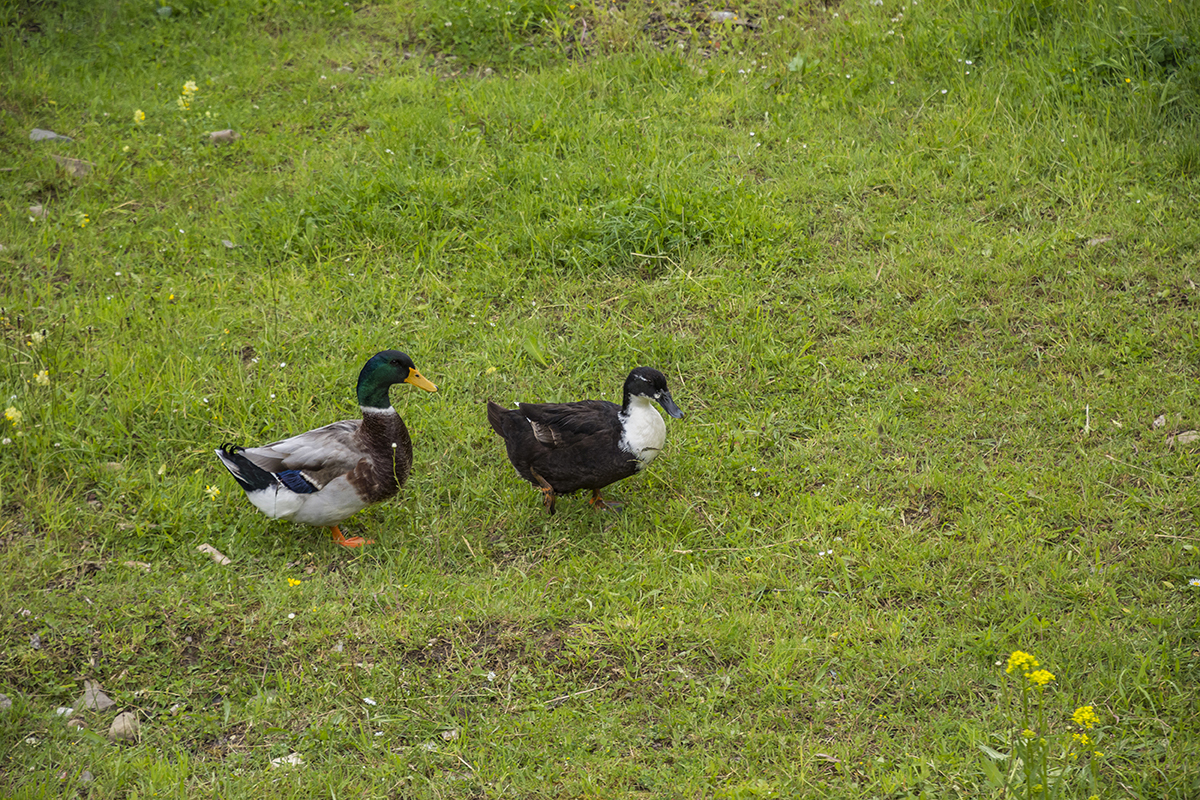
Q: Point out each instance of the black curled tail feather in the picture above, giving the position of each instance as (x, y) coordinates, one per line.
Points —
(250, 476)
(495, 415)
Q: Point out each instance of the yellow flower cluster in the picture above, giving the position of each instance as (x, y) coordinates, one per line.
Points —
(293, 581)
(1020, 662)
(185, 96)
(1082, 739)
(139, 117)
(1025, 664)
(1085, 717)
(1040, 677)
(13, 415)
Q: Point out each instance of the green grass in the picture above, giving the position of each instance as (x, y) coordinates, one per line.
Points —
(923, 278)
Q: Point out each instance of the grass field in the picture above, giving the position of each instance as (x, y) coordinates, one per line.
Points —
(923, 276)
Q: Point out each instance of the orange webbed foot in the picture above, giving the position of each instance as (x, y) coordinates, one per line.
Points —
(348, 541)
(599, 503)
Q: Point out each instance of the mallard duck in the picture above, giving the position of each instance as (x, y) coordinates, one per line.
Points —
(323, 476)
(564, 447)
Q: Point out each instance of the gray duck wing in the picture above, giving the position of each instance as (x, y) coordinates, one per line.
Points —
(331, 449)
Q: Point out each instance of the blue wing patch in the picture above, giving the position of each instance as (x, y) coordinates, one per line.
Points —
(294, 479)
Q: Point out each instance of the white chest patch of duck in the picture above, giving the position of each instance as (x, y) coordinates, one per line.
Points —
(643, 432)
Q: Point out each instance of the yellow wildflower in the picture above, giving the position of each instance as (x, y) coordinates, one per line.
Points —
(1040, 677)
(293, 581)
(13, 415)
(1028, 734)
(139, 117)
(1020, 661)
(1085, 717)
(42, 378)
(184, 101)
(212, 492)
(1081, 738)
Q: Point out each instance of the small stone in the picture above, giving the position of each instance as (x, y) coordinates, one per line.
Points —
(94, 698)
(142, 565)
(64, 711)
(450, 735)
(74, 166)
(1160, 420)
(722, 16)
(5, 702)
(165, 11)
(228, 244)
(37, 212)
(124, 728)
(1187, 437)
(76, 723)
(86, 776)
(227, 135)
